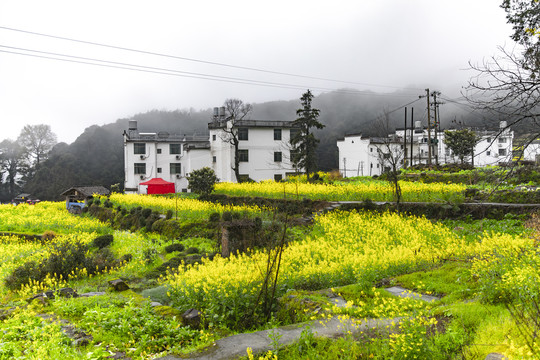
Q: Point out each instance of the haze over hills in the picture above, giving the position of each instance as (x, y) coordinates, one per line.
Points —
(96, 156)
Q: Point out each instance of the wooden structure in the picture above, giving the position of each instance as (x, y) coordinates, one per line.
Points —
(76, 197)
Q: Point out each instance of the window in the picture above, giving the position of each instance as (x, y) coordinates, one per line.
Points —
(242, 133)
(370, 149)
(502, 152)
(502, 140)
(488, 153)
(214, 159)
(243, 178)
(278, 177)
(294, 155)
(386, 156)
(176, 168)
(159, 151)
(294, 132)
(214, 137)
(277, 156)
(174, 149)
(243, 155)
(277, 134)
(140, 168)
(488, 139)
(159, 170)
(139, 148)
(377, 166)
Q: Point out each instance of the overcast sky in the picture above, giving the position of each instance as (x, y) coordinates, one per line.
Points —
(368, 44)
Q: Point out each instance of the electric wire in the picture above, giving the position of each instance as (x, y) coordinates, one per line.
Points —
(199, 60)
(163, 71)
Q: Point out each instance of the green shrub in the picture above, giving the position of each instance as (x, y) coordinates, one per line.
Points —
(65, 259)
(146, 213)
(202, 181)
(102, 260)
(227, 216)
(103, 241)
(192, 250)
(149, 255)
(169, 214)
(214, 217)
(126, 258)
(174, 247)
(22, 275)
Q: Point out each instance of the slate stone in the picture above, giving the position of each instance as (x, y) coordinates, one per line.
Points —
(405, 293)
(92, 293)
(67, 293)
(192, 317)
(496, 356)
(119, 285)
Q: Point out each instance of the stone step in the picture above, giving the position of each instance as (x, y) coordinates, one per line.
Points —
(406, 293)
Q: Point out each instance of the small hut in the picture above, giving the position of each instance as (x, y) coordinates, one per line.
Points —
(77, 196)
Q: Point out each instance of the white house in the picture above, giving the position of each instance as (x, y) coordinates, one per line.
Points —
(368, 156)
(264, 150)
(264, 153)
(161, 155)
(371, 156)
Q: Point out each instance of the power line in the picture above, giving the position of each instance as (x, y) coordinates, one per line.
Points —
(173, 72)
(372, 121)
(199, 60)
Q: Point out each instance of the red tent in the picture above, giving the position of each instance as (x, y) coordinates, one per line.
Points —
(159, 186)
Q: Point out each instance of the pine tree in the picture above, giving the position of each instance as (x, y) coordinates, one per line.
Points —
(304, 142)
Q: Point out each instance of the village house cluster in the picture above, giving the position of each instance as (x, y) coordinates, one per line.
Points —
(359, 156)
(264, 152)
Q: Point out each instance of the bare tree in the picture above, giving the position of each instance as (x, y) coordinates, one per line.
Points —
(507, 86)
(507, 90)
(390, 153)
(236, 111)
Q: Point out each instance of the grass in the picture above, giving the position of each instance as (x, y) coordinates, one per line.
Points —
(451, 281)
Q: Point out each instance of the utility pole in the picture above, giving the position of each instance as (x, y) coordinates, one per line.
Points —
(412, 133)
(405, 141)
(435, 105)
(428, 126)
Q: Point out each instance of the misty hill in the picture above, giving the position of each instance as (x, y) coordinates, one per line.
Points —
(96, 157)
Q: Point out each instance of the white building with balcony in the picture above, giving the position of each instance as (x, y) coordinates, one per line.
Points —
(263, 149)
(264, 153)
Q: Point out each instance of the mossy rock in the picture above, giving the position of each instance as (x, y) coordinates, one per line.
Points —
(168, 312)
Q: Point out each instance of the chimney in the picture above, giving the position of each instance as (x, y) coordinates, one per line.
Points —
(502, 125)
(222, 112)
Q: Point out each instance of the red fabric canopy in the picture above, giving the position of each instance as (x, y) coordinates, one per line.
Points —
(159, 186)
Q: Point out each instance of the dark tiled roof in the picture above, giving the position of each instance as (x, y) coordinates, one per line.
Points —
(87, 191)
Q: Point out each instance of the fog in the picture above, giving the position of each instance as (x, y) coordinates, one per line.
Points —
(256, 51)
